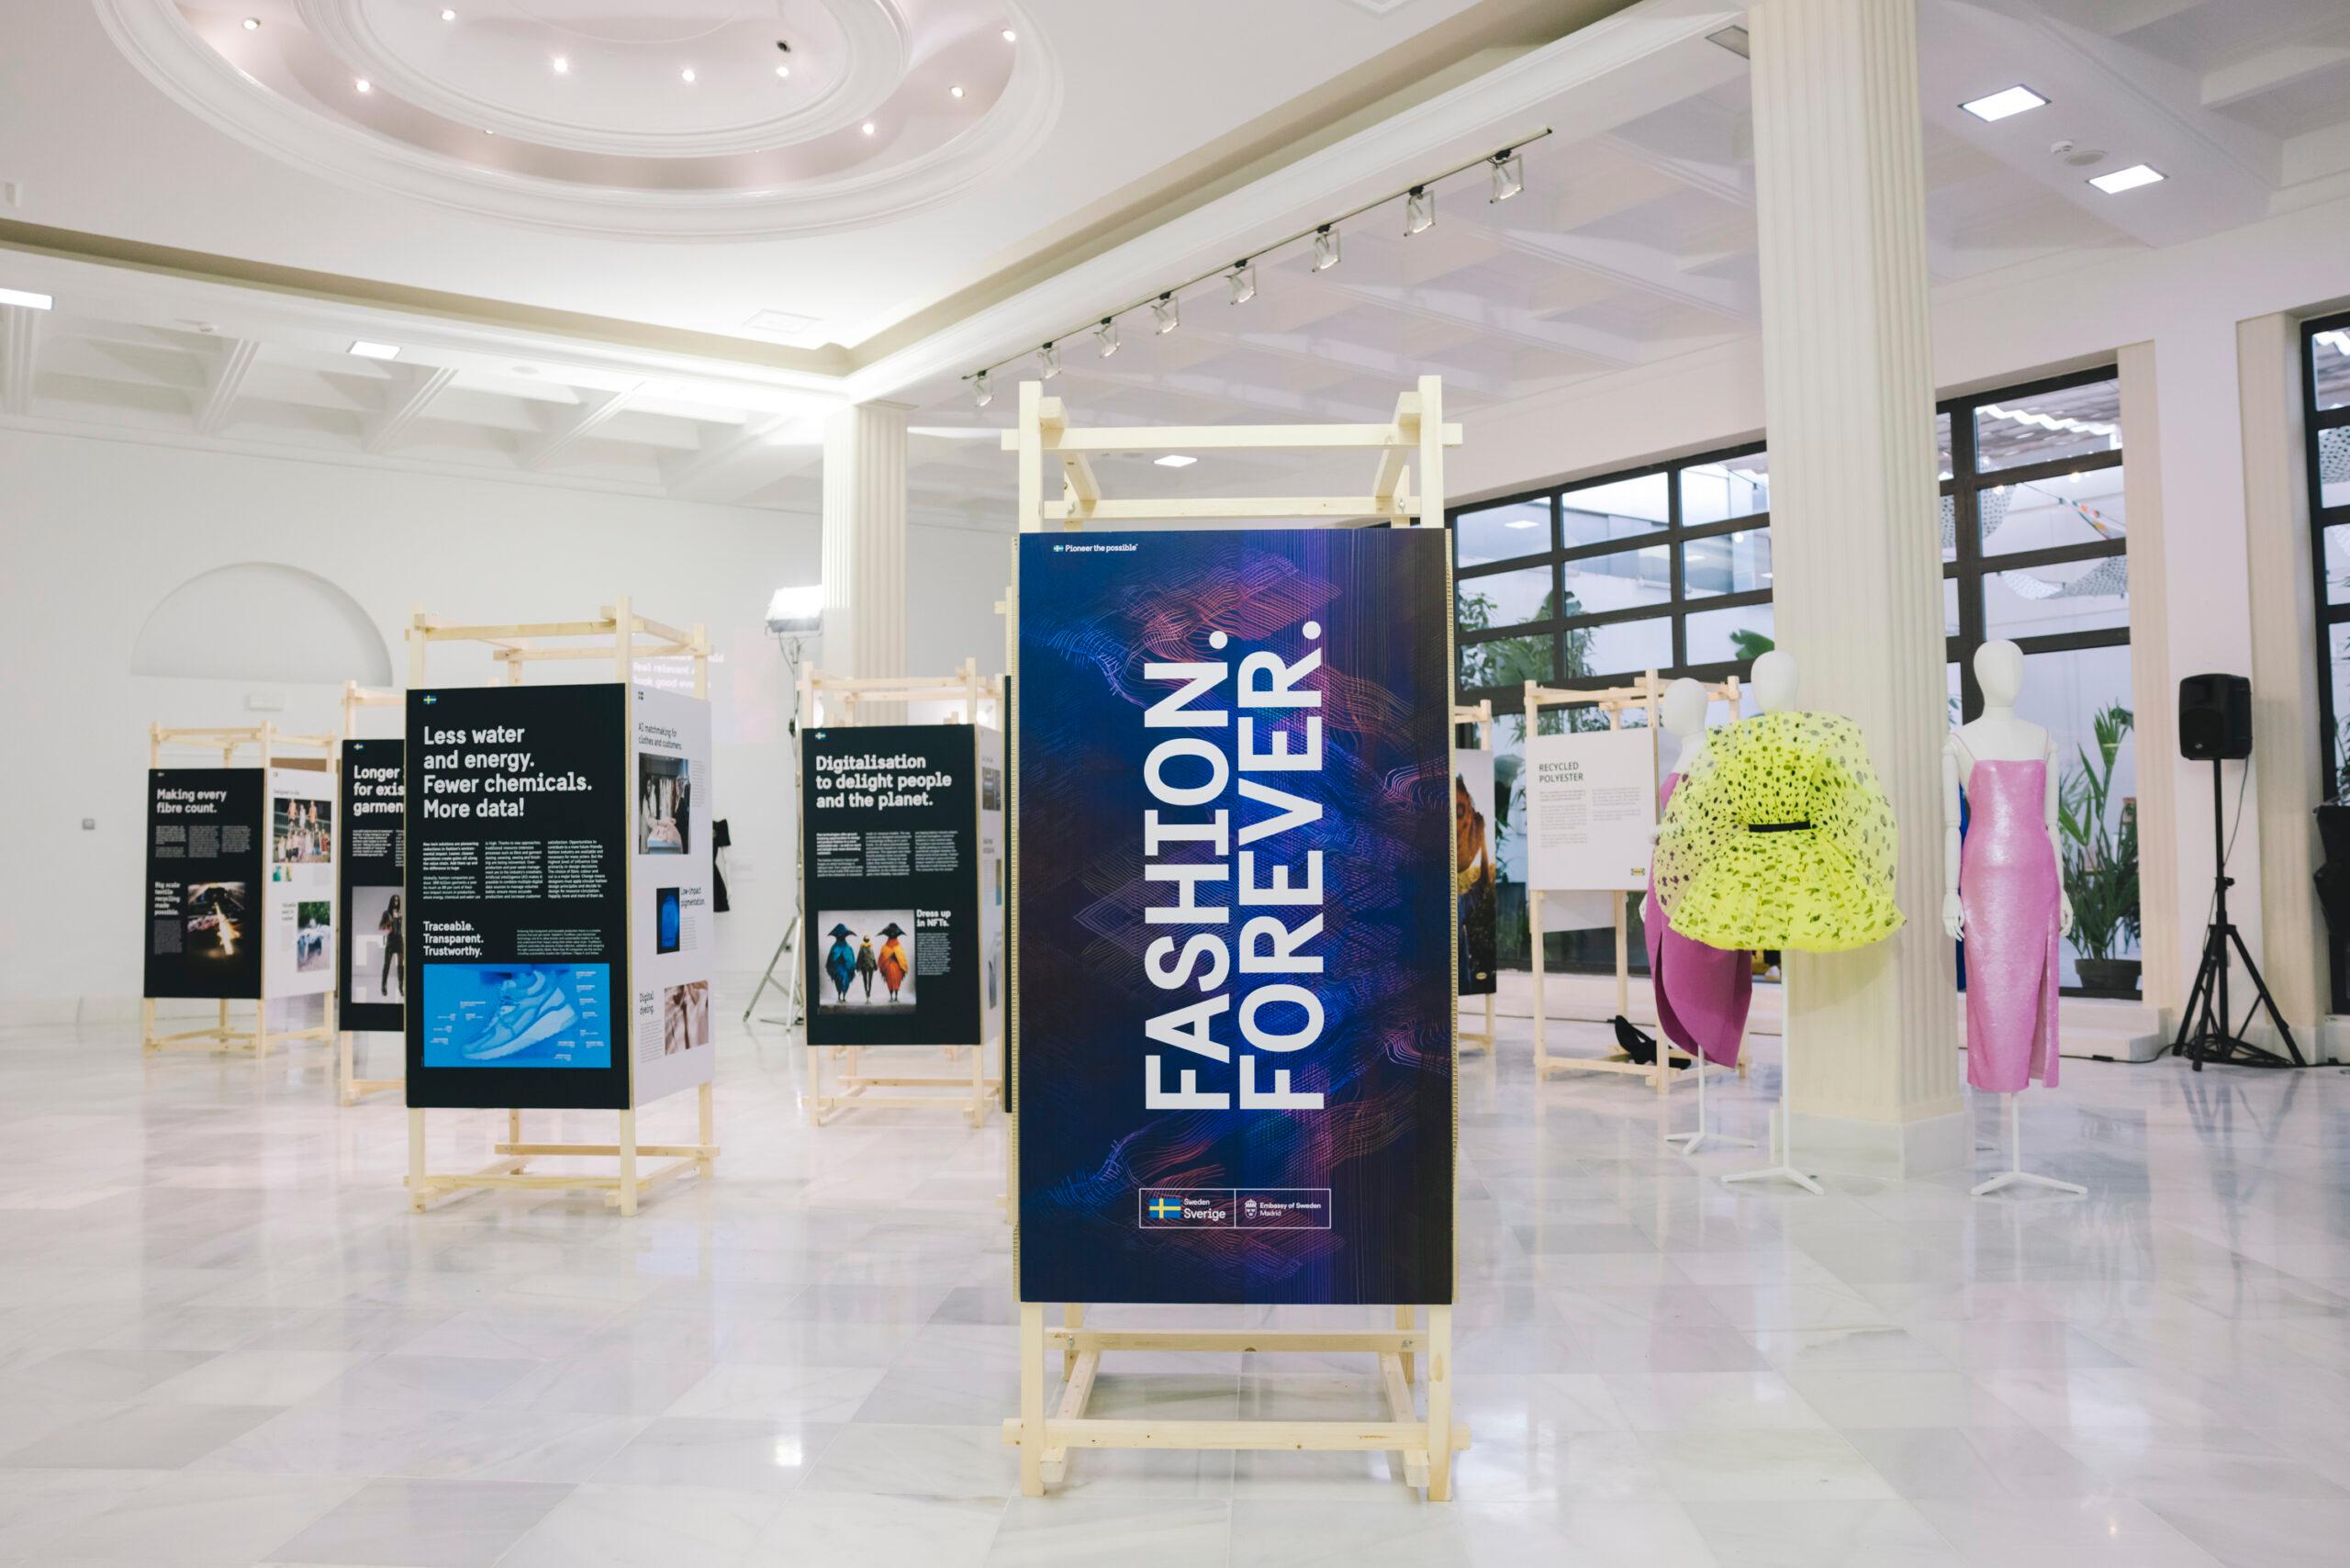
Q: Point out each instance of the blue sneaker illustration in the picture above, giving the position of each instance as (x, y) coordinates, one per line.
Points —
(530, 1011)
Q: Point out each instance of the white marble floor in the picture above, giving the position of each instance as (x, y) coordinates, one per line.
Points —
(224, 1340)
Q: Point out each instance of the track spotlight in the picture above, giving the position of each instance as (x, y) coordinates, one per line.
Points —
(1107, 335)
(1243, 278)
(1419, 211)
(1048, 360)
(981, 389)
(1166, 313)
(1509, 174)
(1325, 248)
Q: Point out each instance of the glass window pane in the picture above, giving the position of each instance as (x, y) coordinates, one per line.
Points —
(2074, 423)
(2337, 565)
(1506, 661)
(1623, 647)
(2098, 837)
(1738, 562)
(1950, 527)
(1505, 598)
(1621, 581)
(1621, 508)
(1502, 533)
(1716, 492)
(1716, 636)
(2079, 509)
(2338, 643)
(2329, 360)
(2078, 596)
(1950, 606)
(1952, 696)
(2333, 467)
(1942, 443)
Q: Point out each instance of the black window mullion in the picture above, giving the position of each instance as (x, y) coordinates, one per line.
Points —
(1966, 538)
(1676, 596)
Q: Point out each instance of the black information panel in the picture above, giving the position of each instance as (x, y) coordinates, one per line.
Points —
(205, 881)
(371, 978)
(517, 896)
(889, 843)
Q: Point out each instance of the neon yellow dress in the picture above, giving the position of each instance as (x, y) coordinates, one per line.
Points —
(1779, 836)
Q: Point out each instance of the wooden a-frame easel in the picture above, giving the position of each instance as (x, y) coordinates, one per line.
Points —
(1644, 695)
(832, 700)
(612, 636)
(265, 739)
(1420, 1448)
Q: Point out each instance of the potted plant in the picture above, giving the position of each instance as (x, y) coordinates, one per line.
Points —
(2100, 860)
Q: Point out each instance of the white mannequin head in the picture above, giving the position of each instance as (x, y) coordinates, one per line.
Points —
(1998, 670)
(1684, 709)
(1776, 680)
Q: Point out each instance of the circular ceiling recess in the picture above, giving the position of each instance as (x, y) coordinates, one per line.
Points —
(646, 119)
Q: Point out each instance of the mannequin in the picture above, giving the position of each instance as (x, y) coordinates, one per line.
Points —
(1999, 761)
(1730, 979)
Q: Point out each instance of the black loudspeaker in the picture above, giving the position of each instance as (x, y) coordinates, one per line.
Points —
(2215, 718)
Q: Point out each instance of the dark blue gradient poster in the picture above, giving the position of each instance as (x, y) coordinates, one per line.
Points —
(1235, 919)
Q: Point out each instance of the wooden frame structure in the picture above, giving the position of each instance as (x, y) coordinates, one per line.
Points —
(1645, 695)
(1421, 1446)
(1481, 715)
(349, 1086)
(976, 1090)
(614, 635)
(264, 738)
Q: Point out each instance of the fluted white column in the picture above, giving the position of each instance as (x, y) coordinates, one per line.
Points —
(865, 540)
(2287, 766)
(1849, 391)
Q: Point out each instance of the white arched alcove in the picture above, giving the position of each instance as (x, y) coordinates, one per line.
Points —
(259, 620)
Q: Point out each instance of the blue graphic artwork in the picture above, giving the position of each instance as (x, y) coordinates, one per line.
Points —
(533, 1015)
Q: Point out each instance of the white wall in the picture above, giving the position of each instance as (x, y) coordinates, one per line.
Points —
(2008, 327)
(95, 532)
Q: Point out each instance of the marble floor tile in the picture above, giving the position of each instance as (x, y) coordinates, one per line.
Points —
(218, 1318)
(428, 1524)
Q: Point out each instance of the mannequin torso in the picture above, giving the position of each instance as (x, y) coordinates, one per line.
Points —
(1999, 735)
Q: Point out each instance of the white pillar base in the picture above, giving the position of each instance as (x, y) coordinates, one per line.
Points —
(1892, 1151)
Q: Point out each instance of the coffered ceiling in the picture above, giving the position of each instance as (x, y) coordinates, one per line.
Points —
(209, 286)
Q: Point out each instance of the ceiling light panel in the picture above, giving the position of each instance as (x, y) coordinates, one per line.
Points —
(2005, 101)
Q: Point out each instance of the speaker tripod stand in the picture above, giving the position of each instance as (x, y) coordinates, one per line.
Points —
(2205, 1033)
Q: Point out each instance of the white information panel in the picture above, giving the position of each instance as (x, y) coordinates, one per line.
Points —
(299, 908)
(673, 940)
(1591, 813)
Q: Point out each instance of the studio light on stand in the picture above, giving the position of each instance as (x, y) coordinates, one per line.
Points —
(795, 617)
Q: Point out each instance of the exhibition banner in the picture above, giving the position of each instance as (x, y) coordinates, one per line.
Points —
(518, 856)
(1590, 811)
(371, 817)
(1473, 816)
(889, 829)
(674, 943)
(1236, 945)
(206, 840)
(299, 906)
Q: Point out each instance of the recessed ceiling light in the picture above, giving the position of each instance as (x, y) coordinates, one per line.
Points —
(687, 76)
(954, 92)
(868, 128)
(2128, 179)
(367, 350)
(447, 14)
(364, 84)
(782, 71)
(252, 24)
(563, 65)
(28, 298)
(1010, 37)
(2005, 102)
(1175, 459)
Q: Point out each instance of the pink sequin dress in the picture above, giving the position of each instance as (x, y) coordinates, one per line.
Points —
(1702, 993)
(2008, 890)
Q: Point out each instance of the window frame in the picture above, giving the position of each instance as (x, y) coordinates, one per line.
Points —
(2329, 616)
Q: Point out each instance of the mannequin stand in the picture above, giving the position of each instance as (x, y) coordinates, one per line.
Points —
(2015, 1175)
(1785, 1170)
(1690, 1141)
